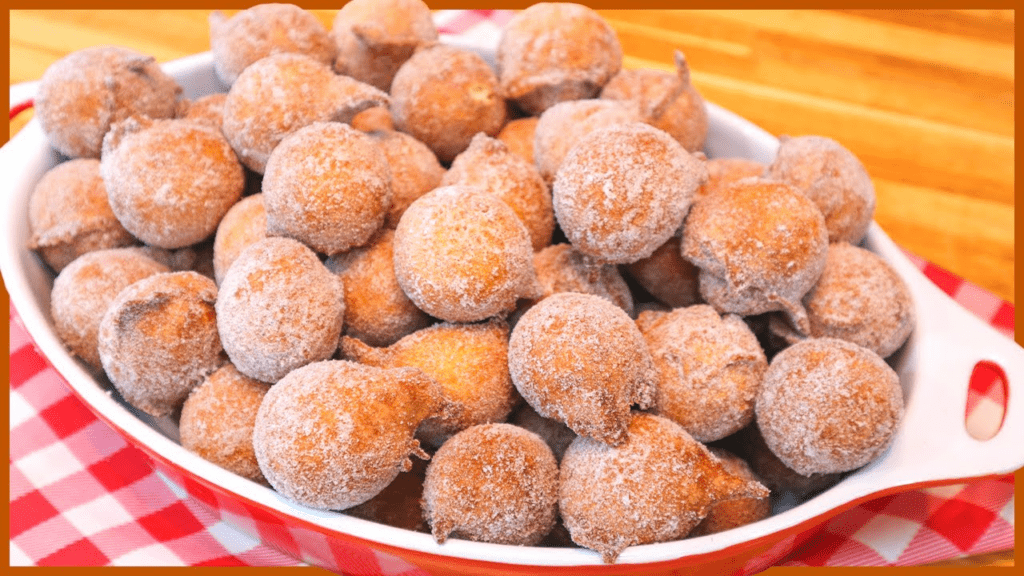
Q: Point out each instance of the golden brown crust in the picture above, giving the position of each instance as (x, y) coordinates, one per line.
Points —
(243, 225)
(667, 276)
(725, 171)
(518, 136)
(729, 514)
(561, 268)
(414, 171)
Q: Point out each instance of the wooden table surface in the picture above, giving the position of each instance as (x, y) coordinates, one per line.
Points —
(924, 98)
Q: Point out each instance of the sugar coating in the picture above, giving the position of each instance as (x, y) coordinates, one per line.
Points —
(558, 436)
(327, 185)
(333, 434)
(463, 255)
(667, 276)
(279, 309)
(375, 37)
(710, 369)
(773, 473)
(760, 246)
(169, 182)
(377, 312)
(69, 215)
(443, 96)
(244, 224)
(414, 171)
(554, 52)
(468, 361)
(208, 109)
(667, 101)
(217, 420)
(830, 175)
(83, 94)
(563, 125)
(827, 405)
(374, 119)
(725, 171)
(655, 487)
(262, 30)
(281, 93)
(518, 136)
(490, 165)
(730, 514)
(492, 483)
(579, 359)
(83, 291)
(859, 298)
(561, 268)
(623, 191)
(158, 340)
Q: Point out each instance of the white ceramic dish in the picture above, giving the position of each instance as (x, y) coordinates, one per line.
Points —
(931, 447)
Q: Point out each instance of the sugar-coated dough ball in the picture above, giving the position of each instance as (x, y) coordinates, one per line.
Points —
(729, 514)
(710, 369)
(655, 487)
(69, 214)
(563, 125)
(760, 246)
(553, 52)
(279, 308)
(561, 268)
(374, 119)
(327, 185)
(304, 91)
(667, 276)
(725, 171)
(243, 225)
(828, 405)
(217, 420)
(463, 255)
(623, 191)
(84, 289)
(773, 473)
(375, 37)
(83, 94)
(579, 359)
(518, 136)
(158, 340)
(414, 171)
(830, 175)
(490, 165)
(208, 109)
(492, 483)
(331, 435)
(169, 182)
(443, 96)
(262, 30)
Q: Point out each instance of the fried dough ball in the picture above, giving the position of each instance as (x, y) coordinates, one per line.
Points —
(667, 276)
(398, 504)
(83, 94)
(553, 52)
(725, 171)
(859, 298)
(760, 246)
(279, 308)
(655, 487)
(158, 340)
(730, 514)
(333, 434)
(250, 35)
(374, 119)
(518, 136)
(561, 268)
(84, 289)
(414, 171)
(376, 310)
(490, 165)
(375, 37)
(828, 405)
(563, 125)
(303, 91)
(217, 420)
(667, 101)
(209, 109)
(69, 215)
(463, 255)
(623, 191)
(328, 186)
(492, 483)
(169, 182)
(579, 359)
(773, 473)
(243, 225)
(830, 175)
(710, 369)
(443, 96)
(558, 436)
(468, 361)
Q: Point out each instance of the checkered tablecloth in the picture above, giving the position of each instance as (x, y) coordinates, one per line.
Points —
(81, 496)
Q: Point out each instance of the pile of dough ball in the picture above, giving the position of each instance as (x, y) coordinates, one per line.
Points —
(529, 275)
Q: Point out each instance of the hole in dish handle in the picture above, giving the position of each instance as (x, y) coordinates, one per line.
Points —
(987, 395)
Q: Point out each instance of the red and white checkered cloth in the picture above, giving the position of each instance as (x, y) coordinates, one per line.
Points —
(81, 496)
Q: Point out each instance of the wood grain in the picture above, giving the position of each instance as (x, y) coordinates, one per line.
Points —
(924, 97)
